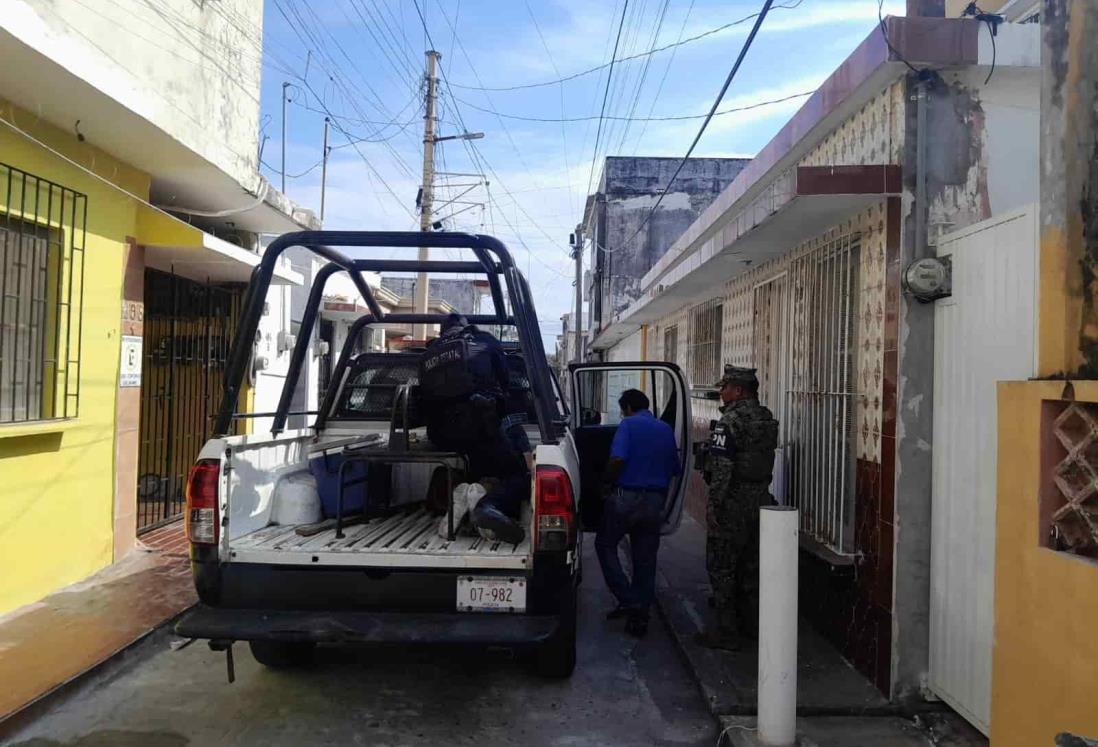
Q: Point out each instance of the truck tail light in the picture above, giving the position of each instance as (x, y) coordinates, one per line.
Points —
(201, 514)
(554, 510)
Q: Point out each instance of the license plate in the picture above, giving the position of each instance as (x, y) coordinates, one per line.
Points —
(491, 594)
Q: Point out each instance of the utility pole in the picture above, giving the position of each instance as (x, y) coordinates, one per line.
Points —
(577, 322)
(285, 85)
(419, 332)
(324, 169)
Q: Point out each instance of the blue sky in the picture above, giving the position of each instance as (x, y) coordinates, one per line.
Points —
(362, 61)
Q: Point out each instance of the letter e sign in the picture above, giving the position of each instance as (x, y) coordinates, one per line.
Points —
(129, 374)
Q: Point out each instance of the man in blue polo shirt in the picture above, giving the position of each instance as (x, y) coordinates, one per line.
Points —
(643, 460)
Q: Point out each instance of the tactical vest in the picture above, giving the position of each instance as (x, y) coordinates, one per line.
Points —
(456, 367)
(751, 447)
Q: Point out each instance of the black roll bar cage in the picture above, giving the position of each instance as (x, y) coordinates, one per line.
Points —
(523, 316)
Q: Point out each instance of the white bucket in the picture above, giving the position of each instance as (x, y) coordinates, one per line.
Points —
(296, 500)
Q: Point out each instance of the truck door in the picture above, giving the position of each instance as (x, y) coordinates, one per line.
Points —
(594, 421)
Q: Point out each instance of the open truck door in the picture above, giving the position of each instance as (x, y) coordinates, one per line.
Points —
(595, 415)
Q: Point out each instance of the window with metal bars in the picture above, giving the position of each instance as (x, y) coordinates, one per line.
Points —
(818, 432)
(42, 234)
(704, 343)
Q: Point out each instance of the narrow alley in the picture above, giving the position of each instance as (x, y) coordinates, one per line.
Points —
(624, 692)
(555, 373)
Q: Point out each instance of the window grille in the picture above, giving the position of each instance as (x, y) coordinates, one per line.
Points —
(705, 343)
(818, 431)
(42, 234)
(771, 343)
(671, 344)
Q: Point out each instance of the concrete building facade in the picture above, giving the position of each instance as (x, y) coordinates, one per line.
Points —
(625, 241)
(796, 269)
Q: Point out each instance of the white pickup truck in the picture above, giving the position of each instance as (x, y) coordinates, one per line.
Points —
(376, 565)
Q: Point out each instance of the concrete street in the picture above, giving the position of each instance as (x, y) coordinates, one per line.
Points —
(623, 693)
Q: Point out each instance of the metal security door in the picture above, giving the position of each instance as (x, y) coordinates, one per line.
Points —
(188, 330)
(818, 427)
(983, 334)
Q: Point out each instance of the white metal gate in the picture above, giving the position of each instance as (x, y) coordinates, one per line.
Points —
(983, 334)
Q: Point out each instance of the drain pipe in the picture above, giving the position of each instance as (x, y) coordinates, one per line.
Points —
(778, 583)
(922, 247)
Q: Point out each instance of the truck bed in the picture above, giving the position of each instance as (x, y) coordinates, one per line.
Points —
(404, 540)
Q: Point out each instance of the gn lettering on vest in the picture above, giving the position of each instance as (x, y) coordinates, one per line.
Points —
(720, 441)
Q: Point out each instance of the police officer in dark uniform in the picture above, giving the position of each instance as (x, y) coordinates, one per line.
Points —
(464, 378)
(738, 465)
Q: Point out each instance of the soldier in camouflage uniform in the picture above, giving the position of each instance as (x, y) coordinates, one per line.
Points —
(738, 466)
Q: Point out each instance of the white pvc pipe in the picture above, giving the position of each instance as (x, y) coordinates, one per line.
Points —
(777, 720)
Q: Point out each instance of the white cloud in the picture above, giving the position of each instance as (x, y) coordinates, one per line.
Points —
(550, 187)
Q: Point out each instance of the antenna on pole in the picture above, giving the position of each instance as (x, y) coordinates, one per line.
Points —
(324, 168)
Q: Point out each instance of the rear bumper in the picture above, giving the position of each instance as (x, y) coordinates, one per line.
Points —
(552, 582)
(355, 626)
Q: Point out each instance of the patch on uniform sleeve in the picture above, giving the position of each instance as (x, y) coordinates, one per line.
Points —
(720, 440)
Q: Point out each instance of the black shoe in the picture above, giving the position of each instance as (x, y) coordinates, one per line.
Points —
(637, 626)
(617, 613)
(493, 524)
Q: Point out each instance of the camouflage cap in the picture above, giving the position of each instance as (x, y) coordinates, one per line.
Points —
(739, 376)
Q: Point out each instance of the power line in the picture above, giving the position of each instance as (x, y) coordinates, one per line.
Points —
(888, 41)
(563, 129)
(605, 93)
(603, 66)
(760, 17)
(306, 172)
(373, 137)
(353, 144)
(481, 163)
(302, 30)
(663, 80)
(643, 75)
(620, 83)
(389, 49)
(502, 124)
(675, 118)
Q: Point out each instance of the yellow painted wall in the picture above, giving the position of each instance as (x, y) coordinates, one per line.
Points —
(57, 485)
(1046, 603)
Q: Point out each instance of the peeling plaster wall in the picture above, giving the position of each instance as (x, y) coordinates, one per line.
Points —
(629, 189)
(191, 68)
(982, 160)
(1046, 601)
(1068, 330)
